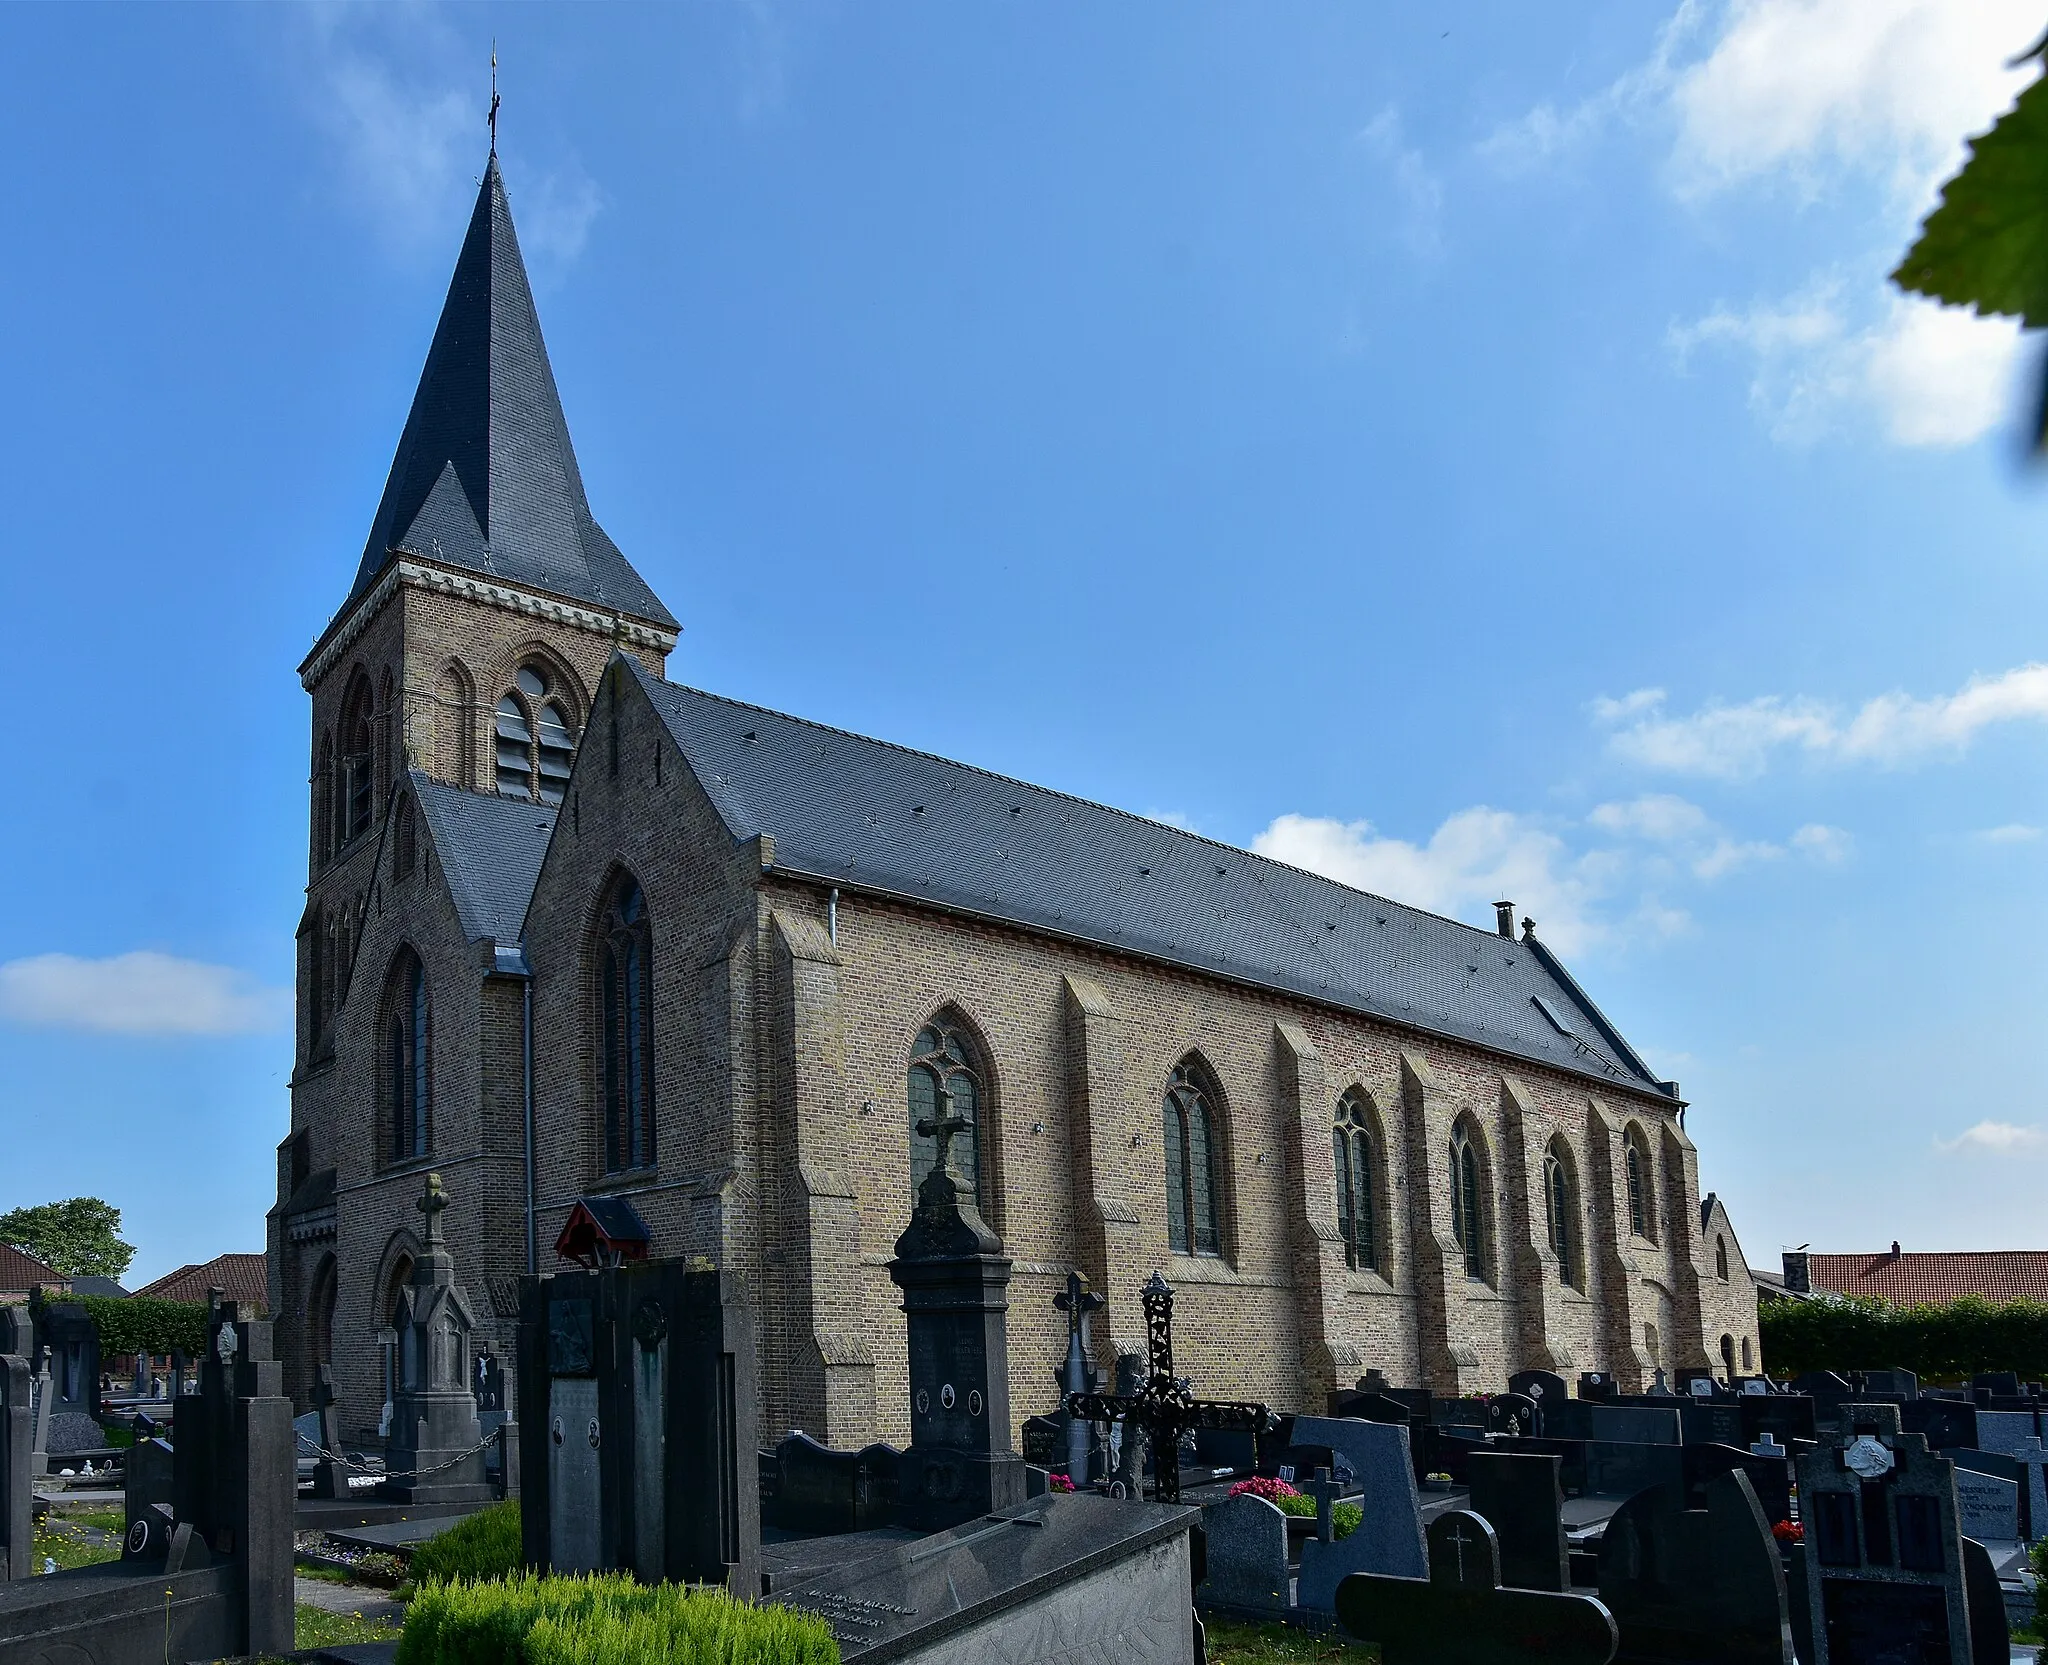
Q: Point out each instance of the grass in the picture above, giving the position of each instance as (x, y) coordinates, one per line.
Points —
(1240, 1642)
(82, 1540)
(483, 1545)
(315, 1627)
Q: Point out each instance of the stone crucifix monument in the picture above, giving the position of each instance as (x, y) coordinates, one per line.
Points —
(435, 1452)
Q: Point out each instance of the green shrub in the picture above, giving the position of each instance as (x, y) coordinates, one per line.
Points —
(483, 1545)
(1941, 1343)
(143, 1324)
(1345, 1518)
(606, 1619)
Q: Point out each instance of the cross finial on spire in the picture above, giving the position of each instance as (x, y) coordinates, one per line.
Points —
(492, 118)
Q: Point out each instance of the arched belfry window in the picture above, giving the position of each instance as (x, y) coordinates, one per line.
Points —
(536, 738)
(1468, 1225)
(1193, 1219)
(946, 1079)
(355, 771)
(1561, 1210)
(1642, 1218)
(625, 1028)
(1721, 1258)
(409, 1076)
(1357, 1152)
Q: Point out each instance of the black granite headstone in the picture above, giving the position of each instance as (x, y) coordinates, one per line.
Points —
(1696, 1584)
(1519, 1495)
(1769, 1477)
(17, 1485)
(1460, 1615)
(1513, 1414)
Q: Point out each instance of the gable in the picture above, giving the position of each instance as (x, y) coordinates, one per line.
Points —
(490, 852)
(847, 810)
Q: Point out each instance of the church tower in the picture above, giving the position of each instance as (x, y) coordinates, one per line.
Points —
(484, 609)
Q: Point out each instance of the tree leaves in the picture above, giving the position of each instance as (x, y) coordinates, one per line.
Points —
(80, 1238)
(1986, 245)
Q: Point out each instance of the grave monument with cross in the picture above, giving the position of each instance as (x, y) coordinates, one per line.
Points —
(1077, 1374)
(436, 1449)
(1164, 1407)
(955, 1280)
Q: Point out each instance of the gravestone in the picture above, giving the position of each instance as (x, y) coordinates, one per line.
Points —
(66, 1329)
(2006, 1431)
(1077, 1375)
(954, 1277)
(1711, 1422)
(1988, 1500)
(1389, 1537)
(637, 1442)
(1519, 1494)
(330, 1479)
(1636, 1424)
(1990, 1628)
(17, 1483)
(2032, 1456)
(1785, 1416)
(1547, 1389)
(819, 1491)
(1247, 1556)
(1883, 1546)
(436, 1449)
(1889, 1383)
(1460, 1615)
(1512, 1414)
(1769, 1474)
(1597, 1384)
(2004, 1383)
(1944, 1422)
(1689, 1584)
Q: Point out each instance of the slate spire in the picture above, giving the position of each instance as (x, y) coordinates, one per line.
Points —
(485, 477)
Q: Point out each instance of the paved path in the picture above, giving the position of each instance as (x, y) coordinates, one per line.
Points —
(363, 1599)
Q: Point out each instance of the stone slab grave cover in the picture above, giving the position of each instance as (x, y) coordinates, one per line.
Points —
(637, 1432)
(1247, 1556)
(1883, 1549)
(1080, 1579)
(1389, 1537)
(1519, 1495)
(1689, 1584)
(1461, 1615)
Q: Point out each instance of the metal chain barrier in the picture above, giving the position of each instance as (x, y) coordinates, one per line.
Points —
(322, 1454)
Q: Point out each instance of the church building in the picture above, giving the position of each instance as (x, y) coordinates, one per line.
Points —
(574, 929)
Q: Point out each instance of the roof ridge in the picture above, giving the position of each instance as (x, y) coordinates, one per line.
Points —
(1069, 797)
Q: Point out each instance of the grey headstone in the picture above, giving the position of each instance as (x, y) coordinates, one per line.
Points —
(2032, 1456)
(1519, 1494)
(1696, 1584)
(1989, 1504)
(1389, 1539)
(2005, 1431)
(1247, 1555)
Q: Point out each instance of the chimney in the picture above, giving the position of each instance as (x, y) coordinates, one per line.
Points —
(1795, 1271)
(1895, 1248)
(1504, 919)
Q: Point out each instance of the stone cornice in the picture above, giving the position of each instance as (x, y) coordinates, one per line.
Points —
(487, 592)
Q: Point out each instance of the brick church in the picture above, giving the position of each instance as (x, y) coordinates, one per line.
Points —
(574, 929)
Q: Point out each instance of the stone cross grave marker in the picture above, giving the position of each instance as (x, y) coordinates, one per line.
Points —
(1883, 1546)
(1079, 1303)
(1325, 1491)
(1696, 1584)
(1164, 1408)
(1460, 1614)
(1522, 1499)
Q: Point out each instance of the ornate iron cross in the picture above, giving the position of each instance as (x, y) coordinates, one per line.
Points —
(1164, 1407)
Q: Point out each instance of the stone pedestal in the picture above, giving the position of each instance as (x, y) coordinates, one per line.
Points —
(435, 1450)
(955, 1278)
(16, 1482)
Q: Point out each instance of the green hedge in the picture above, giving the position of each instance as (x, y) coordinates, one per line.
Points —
(1345, 1518)
(1942, 1344)
(607, 1619)
(483, 1545)
(142, 1325)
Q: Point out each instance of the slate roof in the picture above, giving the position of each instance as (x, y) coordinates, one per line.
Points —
(241, 1277)
(1908, 1279)
(863, 813)
(485, 477)
(20, 1272)
(490, 848)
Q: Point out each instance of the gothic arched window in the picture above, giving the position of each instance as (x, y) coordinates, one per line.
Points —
(1748, 1357)
(1561, 1209)
(536, 738)
(1642, 1219)
(356, 773)
(1468, 1203)
(625, 1027)
(1192, 1215)
(1721, 1258)
(404, 840)
(408, 1042)
(945, 1078)
(1728, 1356)
(1356, 1149)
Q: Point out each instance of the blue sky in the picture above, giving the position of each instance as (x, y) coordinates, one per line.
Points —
(1466, 448)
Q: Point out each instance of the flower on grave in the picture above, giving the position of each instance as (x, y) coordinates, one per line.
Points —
(1260, 1485)
(1789, 1532)
(1058, 1483)
(1441, 1479)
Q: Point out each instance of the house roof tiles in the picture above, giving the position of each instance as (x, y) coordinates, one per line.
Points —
(20, 1272)
(1910, 1279)
(240, 1277)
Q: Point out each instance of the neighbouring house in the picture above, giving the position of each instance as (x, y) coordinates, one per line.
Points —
(110, 1288)
(21, 1273)
(239, 1277)
(1914, 1279)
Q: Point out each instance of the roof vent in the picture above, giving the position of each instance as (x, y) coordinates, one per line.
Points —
(1221, 871)
(917, 809)
(1504, 919)
(750, 737)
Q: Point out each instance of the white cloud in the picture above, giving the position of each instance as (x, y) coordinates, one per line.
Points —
(1547, 133)
(139, 993)
(1476, 857)
(2013, 832)
(1658, 816)
(2002, 1138)
(1734, 741)
(1730, 855)
(1419, 192)
(1829, 845)
(555, 212)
